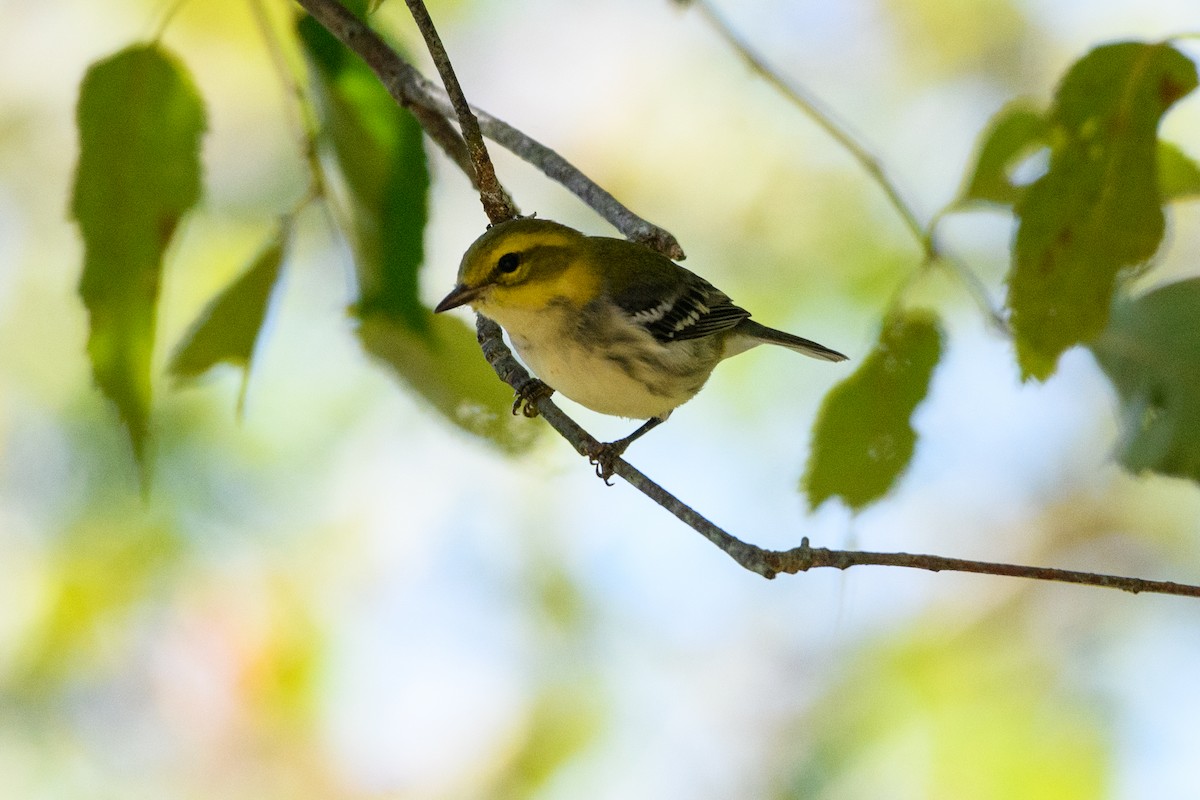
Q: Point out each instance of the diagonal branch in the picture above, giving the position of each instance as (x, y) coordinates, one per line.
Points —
(767, 563)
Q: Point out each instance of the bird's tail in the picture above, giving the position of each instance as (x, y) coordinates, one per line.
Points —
(762, 333)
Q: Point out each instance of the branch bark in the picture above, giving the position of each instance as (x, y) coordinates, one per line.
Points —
(496, 203)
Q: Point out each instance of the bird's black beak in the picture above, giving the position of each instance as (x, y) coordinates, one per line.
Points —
(459, 295)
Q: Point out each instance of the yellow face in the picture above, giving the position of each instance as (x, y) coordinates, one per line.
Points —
(524, 263)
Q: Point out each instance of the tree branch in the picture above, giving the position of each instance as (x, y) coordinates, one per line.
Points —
(496, 202)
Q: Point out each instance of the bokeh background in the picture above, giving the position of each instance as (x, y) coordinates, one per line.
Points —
(341, 596)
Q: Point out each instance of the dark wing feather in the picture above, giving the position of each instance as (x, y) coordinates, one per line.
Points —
(691, 309)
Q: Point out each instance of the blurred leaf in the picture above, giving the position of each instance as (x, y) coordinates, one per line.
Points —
(1151, 353)
(1178, 175)
(564, 719)
(862, 440)
(98, 572)
(980, 714)
(445, 367)
(950, 40)
(229, 327)
(283, 661)
(1097, 209)
(140, 120)
(378, 148)
(1012, 134)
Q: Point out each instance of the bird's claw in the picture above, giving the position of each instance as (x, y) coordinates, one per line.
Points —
(527, 396)
(604, 458)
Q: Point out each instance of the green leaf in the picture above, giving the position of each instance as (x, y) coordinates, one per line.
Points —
(863, 440)
(1151, 353)
(228, 329)
(379, 150)
(1012, 135)
(1178, 175)
(140, 120)
(444, 367)
(1097, 209)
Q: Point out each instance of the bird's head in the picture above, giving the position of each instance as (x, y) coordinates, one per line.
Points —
(525, 264)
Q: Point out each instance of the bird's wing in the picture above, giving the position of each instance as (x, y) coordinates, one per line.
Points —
(689, 309)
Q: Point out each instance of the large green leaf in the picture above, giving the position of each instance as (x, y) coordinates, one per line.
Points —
(228, 329)
(1151, 353)
(1097, 209)
(863, 440)
(378, 149)
(444, 366)
(140, 120)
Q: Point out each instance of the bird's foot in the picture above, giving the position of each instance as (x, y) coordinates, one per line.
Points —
(604, 458)
(527, 396)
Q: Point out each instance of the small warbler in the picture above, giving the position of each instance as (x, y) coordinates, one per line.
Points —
(612, 324)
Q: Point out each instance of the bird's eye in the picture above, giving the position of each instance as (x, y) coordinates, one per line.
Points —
(508, 263)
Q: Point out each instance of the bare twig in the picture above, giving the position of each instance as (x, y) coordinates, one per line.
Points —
(496, 202)
(564, 172)
(406, 86)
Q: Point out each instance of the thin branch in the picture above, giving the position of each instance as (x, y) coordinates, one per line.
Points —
(432, 106)
(767, 563)
(406, 86)
(804, 558)
(496, 202)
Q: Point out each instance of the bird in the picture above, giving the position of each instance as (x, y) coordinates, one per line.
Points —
(610, 323)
